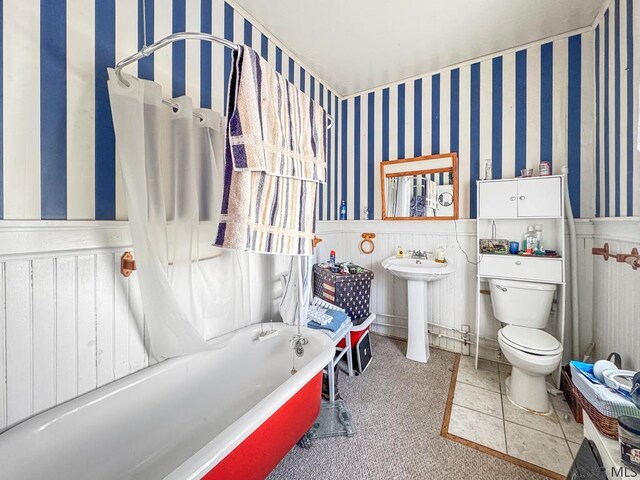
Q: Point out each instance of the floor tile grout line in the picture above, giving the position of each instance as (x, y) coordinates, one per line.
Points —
(507, 456)
(479, 368)
(536, 429)
(564, 434)
(486, 389)
(477, 411)
(504, 419)
(504, 422)
(486, 360)
(472, 385)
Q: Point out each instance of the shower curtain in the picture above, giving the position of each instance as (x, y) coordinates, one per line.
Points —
(172, 167)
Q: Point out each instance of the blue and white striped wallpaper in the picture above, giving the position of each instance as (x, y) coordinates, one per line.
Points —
(517, 109)
(571, 101)
(617, 77)
(57, 147)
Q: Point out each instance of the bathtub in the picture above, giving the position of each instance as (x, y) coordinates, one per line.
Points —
(229, 413)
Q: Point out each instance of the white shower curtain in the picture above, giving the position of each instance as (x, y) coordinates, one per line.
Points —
(172, 167)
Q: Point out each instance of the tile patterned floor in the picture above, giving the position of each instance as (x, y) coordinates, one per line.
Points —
(482, 414)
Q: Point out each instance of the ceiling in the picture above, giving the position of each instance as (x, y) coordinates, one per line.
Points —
(356, 45)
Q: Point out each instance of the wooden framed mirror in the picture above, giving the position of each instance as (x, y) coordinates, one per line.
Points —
(421, 188)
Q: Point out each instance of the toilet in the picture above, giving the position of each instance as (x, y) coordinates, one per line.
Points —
(524, 308)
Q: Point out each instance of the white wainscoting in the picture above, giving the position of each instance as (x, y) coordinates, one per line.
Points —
(70, 323)
(451, 302)
(616, 292)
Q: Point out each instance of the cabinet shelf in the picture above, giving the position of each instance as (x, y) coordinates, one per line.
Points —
(501, 255)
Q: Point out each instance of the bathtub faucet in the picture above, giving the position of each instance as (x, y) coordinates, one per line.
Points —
(297, 344)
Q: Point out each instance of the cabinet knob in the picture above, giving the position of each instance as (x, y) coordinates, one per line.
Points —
(518, 262)
(522, 197)
(513, 199)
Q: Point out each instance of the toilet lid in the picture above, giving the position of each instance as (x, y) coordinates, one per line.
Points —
(530, 339)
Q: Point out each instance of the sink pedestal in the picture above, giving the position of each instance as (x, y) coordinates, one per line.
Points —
(418, 272)
(417, 345)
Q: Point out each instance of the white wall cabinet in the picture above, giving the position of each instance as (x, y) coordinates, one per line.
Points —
(535, 197)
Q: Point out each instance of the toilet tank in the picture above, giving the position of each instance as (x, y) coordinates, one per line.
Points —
(526, 304)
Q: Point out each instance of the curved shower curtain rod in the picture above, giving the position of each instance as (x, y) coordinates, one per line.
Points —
(145, 51)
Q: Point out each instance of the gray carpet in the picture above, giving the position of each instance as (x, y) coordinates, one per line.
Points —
(397, 406)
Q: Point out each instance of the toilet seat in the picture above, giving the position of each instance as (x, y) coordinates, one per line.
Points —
(530, 340)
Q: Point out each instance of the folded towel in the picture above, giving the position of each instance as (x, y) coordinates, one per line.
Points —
(274, 159)
(338, 318)
(317, 301)
(273, 126)
(318, 315)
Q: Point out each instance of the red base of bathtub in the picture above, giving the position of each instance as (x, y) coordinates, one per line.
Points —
(261, 451)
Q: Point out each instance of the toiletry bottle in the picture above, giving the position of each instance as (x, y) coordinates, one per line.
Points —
(343, 210)
(523, 243)
(538, 230)
(530, 240)
(399, 252)
(488, 169)
(440, 255)
(332, 258)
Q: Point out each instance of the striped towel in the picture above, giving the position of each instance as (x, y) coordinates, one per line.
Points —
(274, 159)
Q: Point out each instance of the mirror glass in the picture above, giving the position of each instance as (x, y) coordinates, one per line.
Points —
(420, 188)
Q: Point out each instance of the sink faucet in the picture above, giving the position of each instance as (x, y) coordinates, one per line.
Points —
(419, 254)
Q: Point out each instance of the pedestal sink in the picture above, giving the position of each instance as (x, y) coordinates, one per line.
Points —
(418, 272)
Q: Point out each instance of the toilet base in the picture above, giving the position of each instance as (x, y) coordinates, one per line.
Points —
(528, 391)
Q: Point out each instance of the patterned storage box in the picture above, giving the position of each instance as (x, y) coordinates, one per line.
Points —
(349, 291)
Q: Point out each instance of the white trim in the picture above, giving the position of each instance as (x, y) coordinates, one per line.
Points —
(37, 237)
(18, 237)
(600, 14)
(466, 227)
(621, 229)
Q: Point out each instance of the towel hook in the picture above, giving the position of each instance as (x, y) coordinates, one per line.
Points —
(127, 264)
(604, 251)
(366, 245)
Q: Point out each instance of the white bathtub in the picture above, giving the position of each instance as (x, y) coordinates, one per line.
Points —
(178, 419)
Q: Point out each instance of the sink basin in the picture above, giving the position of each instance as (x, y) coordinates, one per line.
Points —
(418, 273)
(417, 269)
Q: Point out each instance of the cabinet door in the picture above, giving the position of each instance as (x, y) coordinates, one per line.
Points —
(498, 199)
(540, 197)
